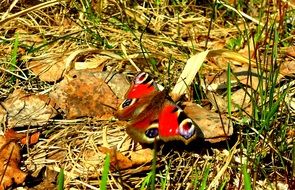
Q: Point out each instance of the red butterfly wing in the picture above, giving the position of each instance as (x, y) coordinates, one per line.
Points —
(152, 117)
(142, 86)
(142, 89)
(174, 124)
(141, 106)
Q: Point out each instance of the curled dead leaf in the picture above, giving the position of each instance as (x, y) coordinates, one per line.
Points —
(288, 67)
(188, 74)
(212, 127)
(28, 109)
(49, 70)
(9, 163)
(24, 138)
(142, 156)
(291, 51)
(82, 94)
(118, 160)
(3, 115)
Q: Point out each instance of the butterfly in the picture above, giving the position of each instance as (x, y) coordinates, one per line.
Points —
(152, 115)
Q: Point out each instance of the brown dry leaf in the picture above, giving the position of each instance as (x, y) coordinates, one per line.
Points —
(222, 56)
(249, 49)
(54, 66)
(31, 139)
(288, 68)
(24, 138)
(291, 51)
(3, 114)
(28, 109)
(82, 94)
(239, 75)
(49, 70)
(291, 133)
(48, 181)
(142, 156)
(214, 130)
(92, 159)
(92, 63)
(217, 101)
(118, 160)
(10, 158)
(116, 81)
(239, 99)
(188, 74)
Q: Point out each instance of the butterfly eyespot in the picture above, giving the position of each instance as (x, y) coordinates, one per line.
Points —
(143, 78)
(128, 102)
(152, 132)
(187, 128)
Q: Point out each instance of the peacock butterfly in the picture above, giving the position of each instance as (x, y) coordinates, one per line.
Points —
(152, 115)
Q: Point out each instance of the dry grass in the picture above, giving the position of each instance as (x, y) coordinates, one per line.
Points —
(139, 34)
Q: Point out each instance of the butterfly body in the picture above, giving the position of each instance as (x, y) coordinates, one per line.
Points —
(152, 115)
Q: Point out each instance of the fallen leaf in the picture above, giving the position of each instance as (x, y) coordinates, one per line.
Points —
(188, 74)
(228, 55)
(238, 75)
(291, 51)
(48, 69)
(82, 94)
(291, 133)
(239, 99)
(31, 139)
(97, 62)
(212, 127)
(3, 115)
(54, 66)
(10, 158)
(28, 109)
(24, 138)
(92, 159)
(45, 178)
(142, 156)
(287, 67)
(249, 49)
(116, 81)
(118, 160)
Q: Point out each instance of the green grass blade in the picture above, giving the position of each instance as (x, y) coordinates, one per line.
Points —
(149, 181)
(247, 179)
(104, 177)
(293, 158)
(60, 179)
(13, 62)
(164, 181)
(195, 180)
(229, 90)
(154, 167)
(205, 177)
(223, 185)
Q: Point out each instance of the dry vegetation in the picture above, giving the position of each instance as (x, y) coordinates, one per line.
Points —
(115, 36)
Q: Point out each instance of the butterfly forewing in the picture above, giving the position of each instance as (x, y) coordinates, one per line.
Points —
(142, 89)
(143, 85)
(152, 116)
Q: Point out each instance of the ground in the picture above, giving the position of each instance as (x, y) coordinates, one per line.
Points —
(67, 65)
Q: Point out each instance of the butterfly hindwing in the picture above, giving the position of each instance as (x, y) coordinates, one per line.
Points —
(151, 116)
(174, 124)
